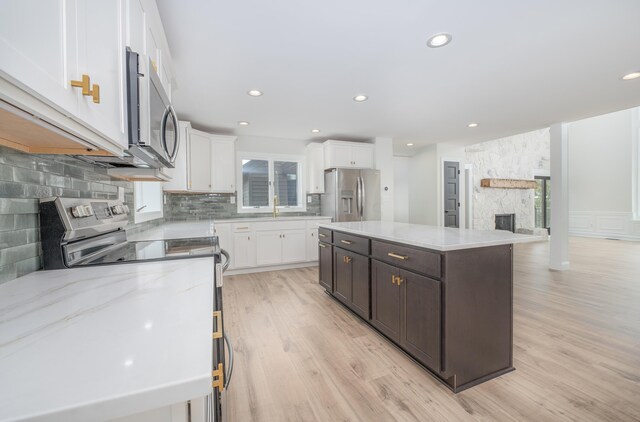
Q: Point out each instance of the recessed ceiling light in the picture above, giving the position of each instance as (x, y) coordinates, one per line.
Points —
(439, 40)
(254, 93)
(315, 130)
(409, 144)
(243, 123)
(472, 125)
(632, 75)
(360, 98)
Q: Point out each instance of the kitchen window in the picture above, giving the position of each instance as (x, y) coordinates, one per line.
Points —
(269, 178)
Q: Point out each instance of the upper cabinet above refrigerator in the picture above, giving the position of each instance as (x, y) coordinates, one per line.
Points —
(341, 154)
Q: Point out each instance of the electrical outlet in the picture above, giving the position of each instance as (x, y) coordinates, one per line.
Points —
(232, 200)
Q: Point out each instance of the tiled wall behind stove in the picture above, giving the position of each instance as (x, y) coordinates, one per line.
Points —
(24, 179)
(217, 206)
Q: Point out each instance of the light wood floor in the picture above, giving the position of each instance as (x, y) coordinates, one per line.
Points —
(300, 356)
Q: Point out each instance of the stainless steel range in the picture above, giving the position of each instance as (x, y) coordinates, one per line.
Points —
(77, 232)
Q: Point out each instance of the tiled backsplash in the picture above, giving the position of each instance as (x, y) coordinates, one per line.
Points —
(217, 206)
(24, 179)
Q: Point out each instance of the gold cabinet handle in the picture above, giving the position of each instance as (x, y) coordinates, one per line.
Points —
(242, 228)
(218, 378)
(399, 280)
(394, 255)
(85, 84)
(95, 93)
(347, 242)
(322, 235)
(346, 259)
(321, 245)
(218, 317)
(393, 279)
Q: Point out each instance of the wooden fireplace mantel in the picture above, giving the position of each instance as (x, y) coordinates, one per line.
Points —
(508, 183)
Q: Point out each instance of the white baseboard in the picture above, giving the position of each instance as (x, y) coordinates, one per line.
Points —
(614, 225)
(271, 268)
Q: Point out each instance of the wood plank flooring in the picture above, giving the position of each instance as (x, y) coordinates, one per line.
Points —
(301, 356)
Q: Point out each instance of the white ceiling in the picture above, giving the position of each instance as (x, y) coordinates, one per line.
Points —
(513, 66)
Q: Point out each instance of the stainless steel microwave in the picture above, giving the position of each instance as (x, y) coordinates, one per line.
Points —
(159, 147)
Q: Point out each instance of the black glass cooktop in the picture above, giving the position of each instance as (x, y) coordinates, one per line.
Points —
(152, 250)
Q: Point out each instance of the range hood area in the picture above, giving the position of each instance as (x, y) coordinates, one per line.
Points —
(32, 134)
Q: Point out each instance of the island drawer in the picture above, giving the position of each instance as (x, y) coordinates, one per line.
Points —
(325, 235)
(352, 243)
(425, 262)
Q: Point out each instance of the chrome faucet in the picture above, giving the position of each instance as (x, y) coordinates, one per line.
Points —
(275, 206)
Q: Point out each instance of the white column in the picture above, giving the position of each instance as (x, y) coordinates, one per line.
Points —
(559, 243)
(384, 163)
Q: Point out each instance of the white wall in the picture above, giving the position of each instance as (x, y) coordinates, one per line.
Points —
(265, 144)
(601, 175)
(384, 163)
(401, 189)
(513, 157)
(423, 190)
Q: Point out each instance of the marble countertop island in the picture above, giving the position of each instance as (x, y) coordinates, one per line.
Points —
(432, 237)
(97, 343)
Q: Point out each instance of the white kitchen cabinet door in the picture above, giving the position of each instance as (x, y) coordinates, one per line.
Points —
(199, 162)
(223, 164)
(312, 244)
(101, 56)
(225, 239)
(179, 179)
(244, 250)
(294, 246)
(268, 247)
(362, 156)
(38, 49)
(337, 155)
(315, 166)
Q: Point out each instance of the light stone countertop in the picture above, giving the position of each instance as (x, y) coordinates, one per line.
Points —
(432, 237)
(96, 343)
(203, 228)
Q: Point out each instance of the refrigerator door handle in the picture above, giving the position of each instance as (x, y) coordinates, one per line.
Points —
(358, 196)
(362, 197)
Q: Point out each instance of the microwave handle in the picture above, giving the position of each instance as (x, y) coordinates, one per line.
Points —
(177, 148)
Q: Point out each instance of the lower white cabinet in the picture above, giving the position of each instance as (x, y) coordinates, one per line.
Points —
(191, 411)
(312, 244)
(257, 244)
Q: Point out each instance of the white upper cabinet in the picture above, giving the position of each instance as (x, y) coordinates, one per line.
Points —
(43, 64)
(101, 56)
(315, 168)
(340, 154)
(205, 163)
(199, 161)
(223, 164)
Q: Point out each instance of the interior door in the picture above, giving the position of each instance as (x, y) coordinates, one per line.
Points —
(346, 195)
(451, 194)
(371, 194)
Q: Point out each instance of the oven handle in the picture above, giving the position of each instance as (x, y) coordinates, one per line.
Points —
(227, 260)
(227, 377)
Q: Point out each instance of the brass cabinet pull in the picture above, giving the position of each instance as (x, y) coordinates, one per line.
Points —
(242, 228)
(87, 89)
(322, 235)
(218, 317)
(95, 93)
(393, 279)
(347, 242)
(399, 280)
(321, 245)
(346, 259)
(218, 378)
(394, 255)
(85, 84)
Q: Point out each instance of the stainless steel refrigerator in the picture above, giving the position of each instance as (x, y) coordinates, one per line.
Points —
(351, 195)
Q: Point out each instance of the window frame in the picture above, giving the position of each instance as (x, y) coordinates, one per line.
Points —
(142, 216)
(635, 170)
(271, 159)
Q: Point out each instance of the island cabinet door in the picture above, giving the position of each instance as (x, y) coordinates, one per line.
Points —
(325, 269)
(420, 318)
(342, 275)
(385, 299)
(360, 285)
